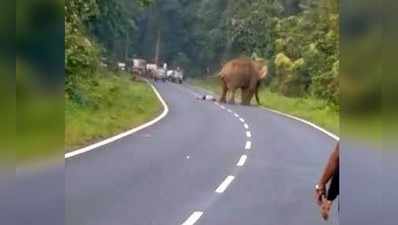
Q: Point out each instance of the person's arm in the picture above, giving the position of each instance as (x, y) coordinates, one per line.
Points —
(328, 172)
(330, 168)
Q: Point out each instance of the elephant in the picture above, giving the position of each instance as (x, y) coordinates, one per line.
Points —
(245, 74)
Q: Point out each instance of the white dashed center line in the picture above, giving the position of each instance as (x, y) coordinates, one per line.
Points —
(223, 186)
(248, 145)
(193, 218)
(242, 160)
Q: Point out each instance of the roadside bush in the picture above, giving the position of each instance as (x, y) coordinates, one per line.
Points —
(289, 79)
(82, 55)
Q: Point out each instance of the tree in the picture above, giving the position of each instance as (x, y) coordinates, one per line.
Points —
(94, 28)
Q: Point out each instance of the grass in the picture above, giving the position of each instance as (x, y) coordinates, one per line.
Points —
(309, 108)
(118, 104)
(40, 127)
(37, 129)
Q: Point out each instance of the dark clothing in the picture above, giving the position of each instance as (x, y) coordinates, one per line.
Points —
(333, 191)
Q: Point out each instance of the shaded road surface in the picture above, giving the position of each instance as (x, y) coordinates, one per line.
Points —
(201, 164)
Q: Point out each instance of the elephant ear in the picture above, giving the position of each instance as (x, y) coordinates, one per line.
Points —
(263, 72)
(262, 68)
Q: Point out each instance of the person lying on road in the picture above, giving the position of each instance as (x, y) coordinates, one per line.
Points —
(206, 98)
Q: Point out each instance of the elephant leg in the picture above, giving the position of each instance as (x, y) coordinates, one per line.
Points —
(232, 99)
(249, 96)
(245, 94)
(223, 97)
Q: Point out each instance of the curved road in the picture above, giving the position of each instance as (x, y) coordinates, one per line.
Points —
(202, 164)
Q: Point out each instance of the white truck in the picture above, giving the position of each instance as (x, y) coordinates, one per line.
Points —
(152, 71)
(139, 66)
(170, 74)
(178, 76)
(121, 66)
(161, 74)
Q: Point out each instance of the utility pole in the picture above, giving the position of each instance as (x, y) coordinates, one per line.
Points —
(126, 47)
(157, 50)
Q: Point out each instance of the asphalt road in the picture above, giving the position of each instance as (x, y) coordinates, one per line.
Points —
(204, 165)
(368, 183)
(189, 169)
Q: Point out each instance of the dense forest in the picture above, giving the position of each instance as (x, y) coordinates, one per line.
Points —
(298, 38)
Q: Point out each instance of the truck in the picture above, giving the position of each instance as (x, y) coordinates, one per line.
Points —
(162, 74)
(170, 75)
(152, 71)
(178, 76)
(138, 66)
(121, 66)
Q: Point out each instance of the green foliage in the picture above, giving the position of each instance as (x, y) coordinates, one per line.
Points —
(299, 38)
(112, 104)
(81, 54)
(99, 103)
(250, 24)
(288, 78)
(94, 28)
(182, 60)
(309, 38)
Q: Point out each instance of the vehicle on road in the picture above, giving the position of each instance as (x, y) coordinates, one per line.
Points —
(138, 66)
(121, 66)
(151, 71)
(170, 74)
(178, 76)
(161, 74)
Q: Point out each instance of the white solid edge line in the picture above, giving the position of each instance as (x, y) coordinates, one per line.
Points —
(242, 161)
(248, 134)
(246, 126)
(248, 145)
(330, 134)
(124, 134)
(193, 218)
(224, 185)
